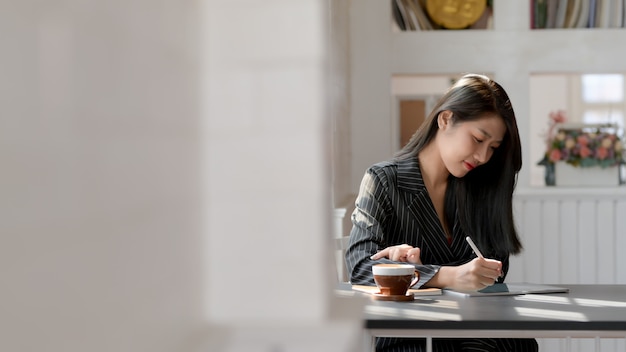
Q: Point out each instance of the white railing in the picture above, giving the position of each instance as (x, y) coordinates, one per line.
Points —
(572, 236)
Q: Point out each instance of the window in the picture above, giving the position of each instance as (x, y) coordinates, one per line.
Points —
(587, 98)
(602, 98)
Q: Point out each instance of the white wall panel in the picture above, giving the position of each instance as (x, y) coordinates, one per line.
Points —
(568, 212)
(572, 236)
(550, 246)
(587, 254)
(605, 211)
(620, 242)
(533, 269)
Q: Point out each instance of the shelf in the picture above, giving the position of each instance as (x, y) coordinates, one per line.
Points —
(554, 51)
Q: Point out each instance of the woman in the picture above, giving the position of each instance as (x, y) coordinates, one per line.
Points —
(454, 178)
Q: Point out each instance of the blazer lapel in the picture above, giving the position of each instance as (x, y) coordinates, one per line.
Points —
(432, 239)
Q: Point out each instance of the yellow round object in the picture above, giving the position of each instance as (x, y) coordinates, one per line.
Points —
(455, 14)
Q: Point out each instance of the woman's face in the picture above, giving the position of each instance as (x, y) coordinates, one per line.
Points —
(465, 145)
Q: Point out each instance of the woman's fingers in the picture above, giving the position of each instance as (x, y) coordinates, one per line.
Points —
(413, 256)
(396, 253)
(381, 254)
(487, 270)
(493, 268)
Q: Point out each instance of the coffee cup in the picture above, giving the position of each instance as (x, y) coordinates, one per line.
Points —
(394, 279)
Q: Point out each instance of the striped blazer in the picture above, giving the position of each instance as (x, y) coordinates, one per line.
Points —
(393, 207)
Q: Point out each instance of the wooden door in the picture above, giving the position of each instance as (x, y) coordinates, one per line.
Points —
(412, 115)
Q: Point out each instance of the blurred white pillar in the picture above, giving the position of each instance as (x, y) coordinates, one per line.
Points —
(270, 264)
(126, 126)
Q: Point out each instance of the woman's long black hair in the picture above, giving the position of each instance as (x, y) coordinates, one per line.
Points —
(484, 197)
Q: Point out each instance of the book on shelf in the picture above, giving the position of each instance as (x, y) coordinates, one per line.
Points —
(561, 11)
(398, 16)
(417, 6)
(571, 13)
(410, 12)
(578, 14)
(551, 13)
(592, 13)
(603, 13)
(583, 17)
(407, 21)
(617, 12)
(541, 13)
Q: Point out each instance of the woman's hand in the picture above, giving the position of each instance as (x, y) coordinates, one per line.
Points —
(474, 275)
(400, 253)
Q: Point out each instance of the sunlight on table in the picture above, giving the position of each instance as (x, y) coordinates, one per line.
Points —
(550, 314)
(598, 303)
(587, 302)
(544, 299)
(410, 313)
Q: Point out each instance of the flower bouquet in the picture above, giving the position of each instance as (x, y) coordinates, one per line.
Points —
(580, 145)
(586, 146)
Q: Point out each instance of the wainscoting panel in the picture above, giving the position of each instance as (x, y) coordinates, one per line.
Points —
(572, 236)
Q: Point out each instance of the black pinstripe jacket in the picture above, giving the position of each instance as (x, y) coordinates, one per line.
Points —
(393, 207)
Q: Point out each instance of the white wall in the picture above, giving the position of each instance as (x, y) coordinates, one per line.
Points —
(339, 99)
(156, 158)
(265, 154)
(101, 243)
(268, 147)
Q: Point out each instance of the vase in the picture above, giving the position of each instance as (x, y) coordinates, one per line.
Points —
(568, 175)
(548, 175)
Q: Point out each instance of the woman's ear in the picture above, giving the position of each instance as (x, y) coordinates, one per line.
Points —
(444, 119)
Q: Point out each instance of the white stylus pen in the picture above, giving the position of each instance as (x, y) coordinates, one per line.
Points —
(471, 243)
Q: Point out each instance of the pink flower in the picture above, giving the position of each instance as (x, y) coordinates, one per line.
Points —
(602, 153)
(557, 116)
(555, 155)
(618, 146)
(582, 140)
(584, 152)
